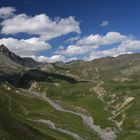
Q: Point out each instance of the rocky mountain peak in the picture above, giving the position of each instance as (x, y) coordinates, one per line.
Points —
(28, 62)
(4, 50)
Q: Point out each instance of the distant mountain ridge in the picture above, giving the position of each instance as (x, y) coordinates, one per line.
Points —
(10, 59)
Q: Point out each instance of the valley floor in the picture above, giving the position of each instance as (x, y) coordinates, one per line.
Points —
(91, 111)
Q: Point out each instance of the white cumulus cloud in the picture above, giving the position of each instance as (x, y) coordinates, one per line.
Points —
(90, 46)
(51, 59)
(6, 12)
(109, 38)
(75, 49)
(125, 47)
(92, 42)
(41, 25)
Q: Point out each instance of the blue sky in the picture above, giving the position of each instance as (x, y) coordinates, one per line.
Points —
(85, 29)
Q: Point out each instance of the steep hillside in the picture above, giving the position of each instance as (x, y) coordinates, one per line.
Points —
(95, 100)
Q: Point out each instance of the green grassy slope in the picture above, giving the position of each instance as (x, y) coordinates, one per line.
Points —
(24, 109)
(106, 89)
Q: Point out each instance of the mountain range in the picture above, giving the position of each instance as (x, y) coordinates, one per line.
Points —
(82, 100)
